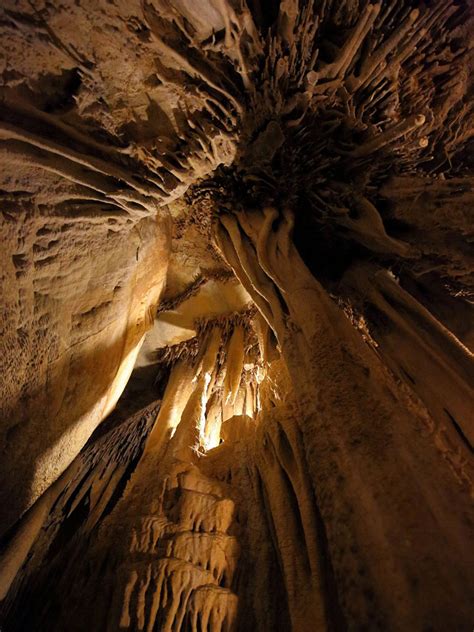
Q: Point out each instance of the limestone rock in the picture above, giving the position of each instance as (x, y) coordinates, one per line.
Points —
(256, 218)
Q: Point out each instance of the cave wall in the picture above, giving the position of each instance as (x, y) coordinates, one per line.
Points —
(372, 447)
(78, 295)
(90, 100)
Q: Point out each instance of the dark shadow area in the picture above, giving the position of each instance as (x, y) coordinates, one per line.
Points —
(146, 385)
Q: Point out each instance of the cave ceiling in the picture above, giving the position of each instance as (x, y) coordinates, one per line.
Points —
(346, 112)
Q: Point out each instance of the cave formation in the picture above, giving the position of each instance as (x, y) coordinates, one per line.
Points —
(237, 322)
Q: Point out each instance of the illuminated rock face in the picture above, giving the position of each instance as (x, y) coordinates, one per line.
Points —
(78, 297)
(280, 194)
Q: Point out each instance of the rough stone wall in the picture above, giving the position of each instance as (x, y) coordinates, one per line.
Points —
(78, 296)
(89, 101)
(371, 447)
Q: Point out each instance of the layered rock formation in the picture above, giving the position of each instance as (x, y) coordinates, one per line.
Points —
(258, 216)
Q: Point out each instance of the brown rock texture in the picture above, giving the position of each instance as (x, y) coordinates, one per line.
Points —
(237, 324)
(78, 297)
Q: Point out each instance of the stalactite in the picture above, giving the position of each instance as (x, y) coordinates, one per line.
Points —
(235, 364)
